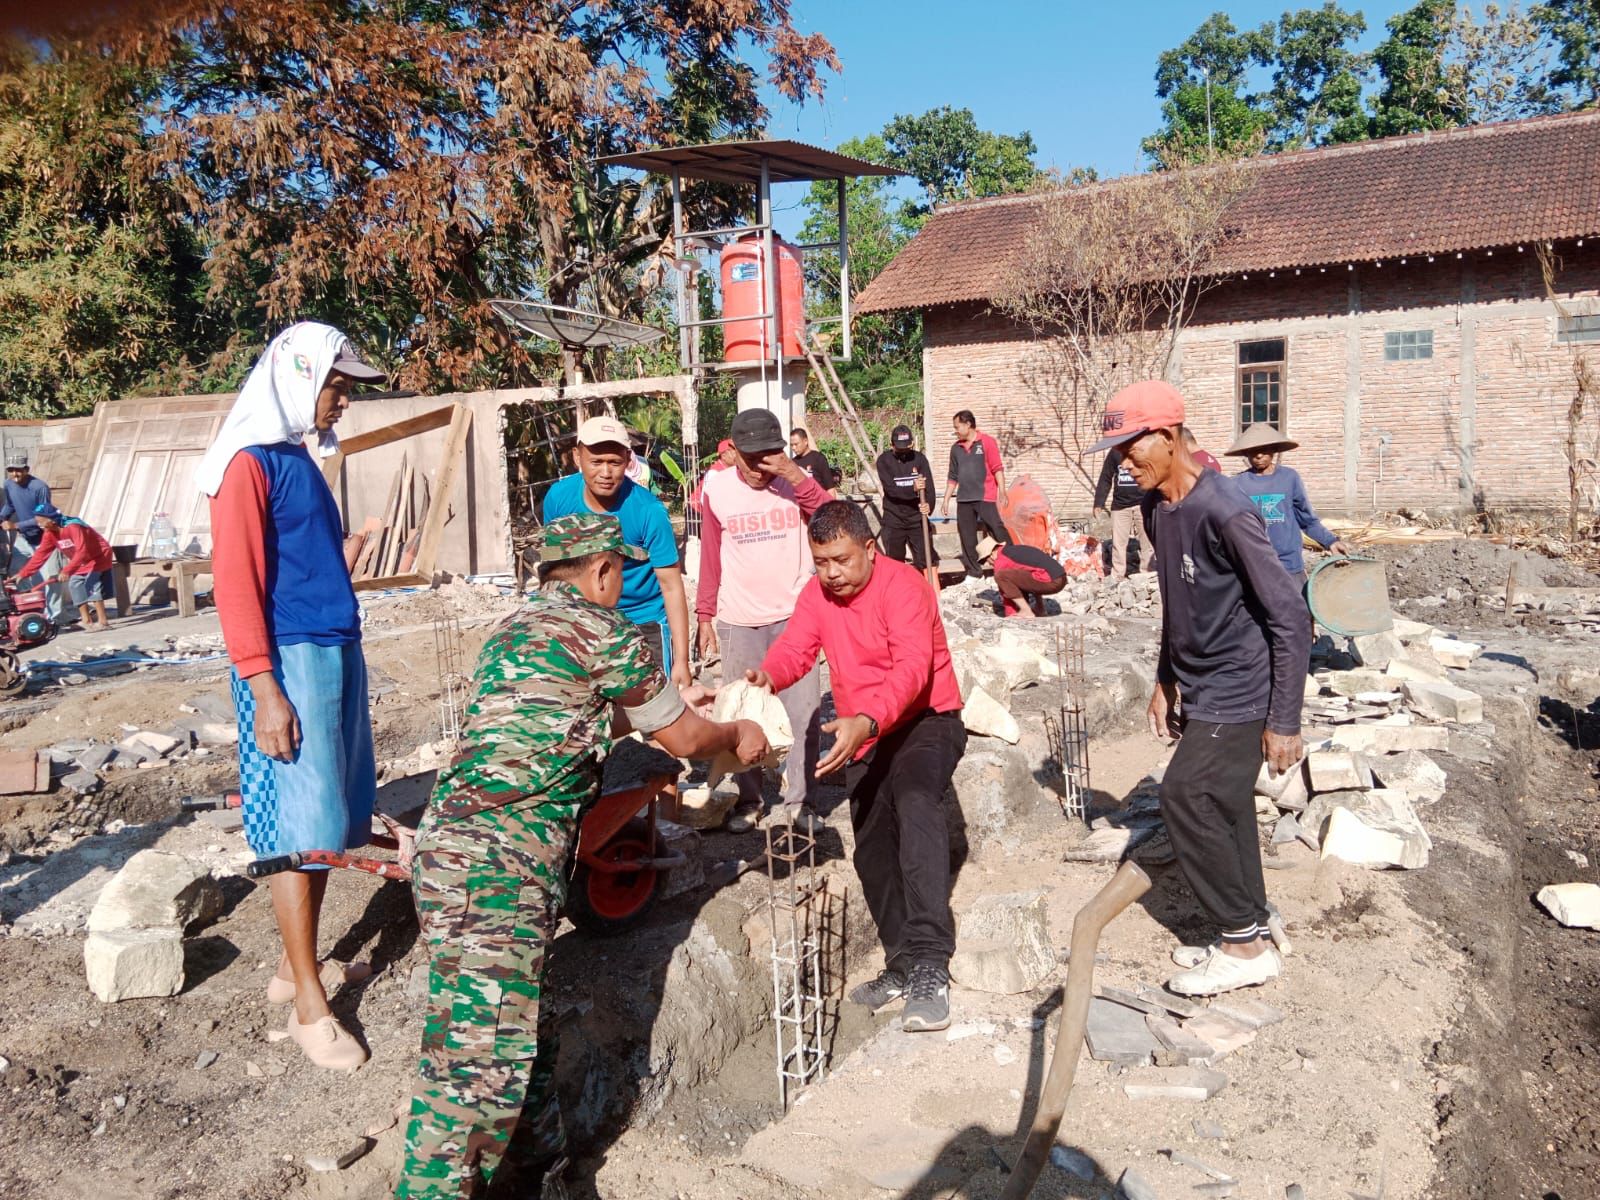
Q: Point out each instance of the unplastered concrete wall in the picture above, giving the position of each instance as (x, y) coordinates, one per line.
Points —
(1481, 422)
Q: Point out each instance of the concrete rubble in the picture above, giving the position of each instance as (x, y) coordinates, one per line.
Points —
(984, 715)
(1575, 905)
(739, 701)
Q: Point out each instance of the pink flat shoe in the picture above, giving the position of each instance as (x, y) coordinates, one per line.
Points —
(327, 1044)
(333, 975)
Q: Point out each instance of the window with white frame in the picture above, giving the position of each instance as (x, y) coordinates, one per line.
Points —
(1404, 346)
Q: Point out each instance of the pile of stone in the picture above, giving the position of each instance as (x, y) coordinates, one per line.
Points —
(135, 943)
(1138, 595)
(1181, 1040)
(1370, 730)
(85, 760)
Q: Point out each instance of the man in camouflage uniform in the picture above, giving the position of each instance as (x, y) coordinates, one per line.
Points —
(494, 849)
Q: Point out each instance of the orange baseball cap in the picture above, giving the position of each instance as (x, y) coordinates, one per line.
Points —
(1136, 410)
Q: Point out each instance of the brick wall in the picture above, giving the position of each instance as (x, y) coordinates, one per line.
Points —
(1481, 421)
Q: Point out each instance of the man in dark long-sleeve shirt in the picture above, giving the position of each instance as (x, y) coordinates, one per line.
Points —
(1117, 483)
(905, 509)
(1234, 645)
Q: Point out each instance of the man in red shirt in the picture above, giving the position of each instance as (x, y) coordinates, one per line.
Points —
(898, 737)
(86, 555)
(977, 483)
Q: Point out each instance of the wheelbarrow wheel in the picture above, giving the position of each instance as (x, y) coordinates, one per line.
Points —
(612, 902)
(12, 680)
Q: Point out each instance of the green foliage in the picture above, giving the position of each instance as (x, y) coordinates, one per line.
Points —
(951, 159)
(98, 283)
(1574, 28)
(1299, 81)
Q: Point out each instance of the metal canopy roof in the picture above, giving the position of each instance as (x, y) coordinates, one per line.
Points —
(740, 162)
(573, 327)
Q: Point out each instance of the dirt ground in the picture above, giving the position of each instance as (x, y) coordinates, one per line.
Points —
(1441, 1038)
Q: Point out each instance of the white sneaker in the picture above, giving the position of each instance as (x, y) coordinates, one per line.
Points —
(1192, 956)
(1221, 972)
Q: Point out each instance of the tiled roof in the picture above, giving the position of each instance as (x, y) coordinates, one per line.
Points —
(1428, 193)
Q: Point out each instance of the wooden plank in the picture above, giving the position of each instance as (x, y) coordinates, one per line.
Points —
(368, 553)
(357, 541)
(383, 435)
(388, 530)
(444, 481)
(373, 585)
(402, 531)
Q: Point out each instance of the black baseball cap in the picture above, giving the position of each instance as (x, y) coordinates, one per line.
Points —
(757, 431)
(900, 439)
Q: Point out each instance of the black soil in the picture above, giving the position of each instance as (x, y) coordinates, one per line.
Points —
(1522, 1118)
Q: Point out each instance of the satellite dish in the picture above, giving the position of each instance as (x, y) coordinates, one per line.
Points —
(572, 327)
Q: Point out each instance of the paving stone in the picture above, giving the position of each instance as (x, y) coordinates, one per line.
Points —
(1119, 1034)
(81, 782)
(1111, 844)
(1353, 683)
(1402, 669)
(162, 743)
(1390, 739)
(1445, 701)
(1179, 1047)
(1414, 773)
(1180, 1006)
(1253, 1013)
(95, 756)
(1176, 1083)
(1129, 1000)
(1224, 1034)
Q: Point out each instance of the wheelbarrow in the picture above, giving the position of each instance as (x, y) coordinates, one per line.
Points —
(617, 871)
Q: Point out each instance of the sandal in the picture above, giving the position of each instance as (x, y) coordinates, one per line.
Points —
(333, 975)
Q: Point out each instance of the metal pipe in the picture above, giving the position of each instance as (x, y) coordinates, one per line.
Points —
(844, 268)
(686, 347)
(1127, 885)
(687, 235)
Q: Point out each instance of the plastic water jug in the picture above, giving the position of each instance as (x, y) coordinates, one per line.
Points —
(163, 537)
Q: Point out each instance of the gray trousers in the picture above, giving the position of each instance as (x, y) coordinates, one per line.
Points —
(743, 649)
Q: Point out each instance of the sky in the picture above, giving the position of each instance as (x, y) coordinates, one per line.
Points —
(1079, 76)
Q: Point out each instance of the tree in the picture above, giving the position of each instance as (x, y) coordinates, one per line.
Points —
(946, 152)
(951, 159)
(391, 167)
(1205, 108)
(1440, 68)
(1574, 28)
(1317, 79)
(97, 277)
(1108, 279)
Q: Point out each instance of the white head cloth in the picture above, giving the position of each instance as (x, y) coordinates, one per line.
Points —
(278, 403)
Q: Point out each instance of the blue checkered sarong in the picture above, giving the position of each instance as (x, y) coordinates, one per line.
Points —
(323, 799)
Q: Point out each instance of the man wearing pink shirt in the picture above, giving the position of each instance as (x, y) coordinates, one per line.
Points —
(898, 738)
(754, 562)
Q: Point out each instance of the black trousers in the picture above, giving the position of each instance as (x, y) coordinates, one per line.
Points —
(970, 514)
(903, 838)
(902, 528)
(1207, 799)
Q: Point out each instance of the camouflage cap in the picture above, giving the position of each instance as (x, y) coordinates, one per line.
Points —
(585, 533)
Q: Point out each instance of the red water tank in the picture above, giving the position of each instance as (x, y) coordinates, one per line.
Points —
(746, 337)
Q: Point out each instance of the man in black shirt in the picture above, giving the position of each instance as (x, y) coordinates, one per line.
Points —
(905, 512)
(1125, 520)
(1229, 683)
(813, 462)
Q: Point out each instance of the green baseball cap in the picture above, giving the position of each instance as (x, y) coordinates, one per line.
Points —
(585, 533)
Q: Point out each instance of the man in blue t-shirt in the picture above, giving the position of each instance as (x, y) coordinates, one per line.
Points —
(1280, 497)
(652, 590)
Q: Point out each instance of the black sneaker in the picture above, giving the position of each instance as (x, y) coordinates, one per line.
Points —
(927, 999)
(889, 985)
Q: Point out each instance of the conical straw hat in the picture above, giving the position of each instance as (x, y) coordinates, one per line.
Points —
(1261, 436)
